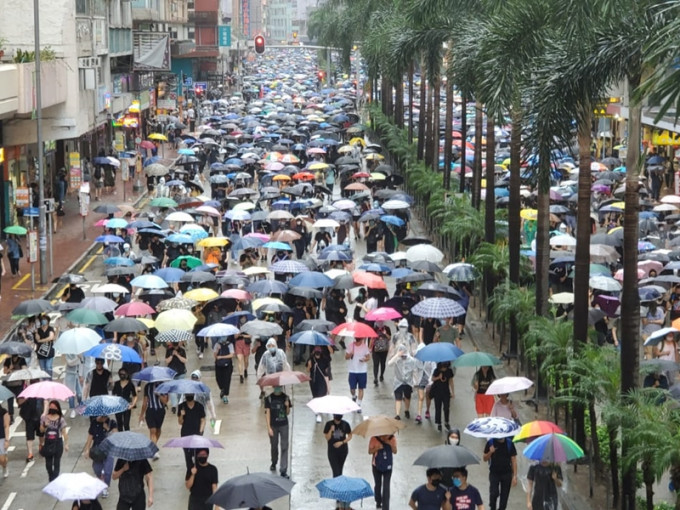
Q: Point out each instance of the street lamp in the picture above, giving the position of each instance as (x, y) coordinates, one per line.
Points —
(42, 218)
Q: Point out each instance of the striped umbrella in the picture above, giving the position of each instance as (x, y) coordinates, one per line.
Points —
(288, 266)
(154, 374)
(174, 335)
(438, 308)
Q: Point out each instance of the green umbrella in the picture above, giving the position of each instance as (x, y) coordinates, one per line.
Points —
(192, 262)
(476, 359)
(595, 270)
(86, 316)
(163, 202)
(15, 229)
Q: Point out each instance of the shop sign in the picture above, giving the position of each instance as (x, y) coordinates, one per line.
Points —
(33, 246)
(665, 138)
(22, 197)
(75, 175)
(119, 144)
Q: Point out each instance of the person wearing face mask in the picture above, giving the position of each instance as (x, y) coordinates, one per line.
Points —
(191, 418)
(463, 495)
(442, 393)
(273, 360)
(99, 380)
(276, 410)
(452, 438)
(53, 428)
(319, 368)
(431, 495)
(404, 369)
(45, 345)
(201, 480)
(379, 349)
(502, 458)
(125, 389)
(223, 352)
(382, 450)
(337, 433)
(101, 427)
(73, 294)
(358, 354)
(403, 337)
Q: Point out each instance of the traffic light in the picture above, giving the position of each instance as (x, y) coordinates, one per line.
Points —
(321, 75)
(259, 44)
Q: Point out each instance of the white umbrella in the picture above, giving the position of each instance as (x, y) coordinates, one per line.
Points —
(180, 216)
(671, 199)
(665, 208)
(424, 252)
(395, 204)
(562, 298)
(280, 215)
(333, 404)
(563, 240)
(70, 486)
(659, 335)
(325, 223)
(399, 255)
(77, 341)
(604, 283)
(336, 273)
(110, 288)
(603, 253)
(508, 385)
(210, 211)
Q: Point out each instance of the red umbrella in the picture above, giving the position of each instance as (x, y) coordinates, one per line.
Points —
(133, 309)
(146, 144)
(370, 280)
(304, 176)
(355, 330)
(361, 175)
(238, 294)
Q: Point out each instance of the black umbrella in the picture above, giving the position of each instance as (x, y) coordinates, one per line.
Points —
(446, 456)
(198, 277)
(253, 490)
(120, 271)
(125, 325)
(320, 325)
(399, 302)
(305, 292)
(413, 240)
(33, 307)
(154, 296)
(595, 315)
(72, 278)
(16, 349)
(425, 265)
(106, 209)
(432, 289)
(415, 277)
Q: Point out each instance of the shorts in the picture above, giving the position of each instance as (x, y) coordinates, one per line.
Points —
(3, 452)
(154, 418)
(461, 319)
(32, 430)
(241, 348)
(403, 392)
(484, 403)
(98, 183)
(357, 380)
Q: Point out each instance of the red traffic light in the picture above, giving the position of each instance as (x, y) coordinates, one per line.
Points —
(259, 44)
(321, 75)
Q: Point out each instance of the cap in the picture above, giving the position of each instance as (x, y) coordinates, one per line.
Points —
(403, 323)
(196, 374)
(126, 246)
(271, 342)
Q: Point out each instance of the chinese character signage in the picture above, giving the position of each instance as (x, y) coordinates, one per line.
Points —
(224, 35)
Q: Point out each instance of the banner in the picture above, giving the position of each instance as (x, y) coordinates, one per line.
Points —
(75, 175)
(22, 197)
(33, 246)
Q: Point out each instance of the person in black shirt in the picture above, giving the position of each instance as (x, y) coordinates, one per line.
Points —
(153, 410)
(338, 433)
(132, 475)
(502, 457)
(299, 314)
(176, 358)
(125, 389)
(100, 379)
(276, 410)
(100, 428)
(45, 345)
(201, 480)
(73, 294)
(191, 418)
(12, 364)
(157, 249)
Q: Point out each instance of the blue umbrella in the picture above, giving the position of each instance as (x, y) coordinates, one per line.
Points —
(218, 329)
(119, 261)
(234, 318)
(288, 266)
(375, 268)
(492, 427)
(337, 247)
(154, 374)
(103, 405)
(243, 243)
(501, 192)
(392, 220)
(152, 231)
(139, 224)
(116, 223)
(309, 338)
(174, 182)
(400, 272)
(312, 279)
(182, 386)
(267, 287)
(149, 281)
(114, 352)
(237, 215)
(152, 160)
(344, 488)
(440, 351)
(169, 274)
(648, 294)
(186, 152)
(204, 268)
(277, 245)
(180, 238)
(109, 239)
(645, 246)
(438, 308)
(129, 446)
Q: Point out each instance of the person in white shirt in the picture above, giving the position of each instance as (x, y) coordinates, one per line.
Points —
(358, 354)
(504, 408)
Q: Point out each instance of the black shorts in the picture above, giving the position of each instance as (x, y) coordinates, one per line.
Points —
(403, 392)
(154, 418)
(461, 319)
(32, 429)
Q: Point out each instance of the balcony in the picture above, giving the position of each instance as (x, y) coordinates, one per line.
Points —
(9, 89)
(206, 18)
(53, 81)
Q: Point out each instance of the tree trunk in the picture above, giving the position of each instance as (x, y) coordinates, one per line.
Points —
(410, 103)
(389, 92)
(490, 202)
(423, 111)
(477, 169)
(436, 103)
(399, 101)
(613, 464)
(383, 95)
(594, 439)
(514, 206)
(543, 234)
(428, 128)
(648, 478)
(463, 132)
(630, 300)
(448, 134)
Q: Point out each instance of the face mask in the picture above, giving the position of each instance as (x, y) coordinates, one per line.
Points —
(122, 376)
(457, 482)
(272, 350)
(189, 398)
(43, 323)
(53, 411)
(202, 460)
(317, 355)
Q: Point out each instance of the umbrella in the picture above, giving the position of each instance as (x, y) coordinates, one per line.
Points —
(253, 490)
(320, 325)
(193, 441)
(379, 425)
(175, 319)
(162, 201)
(438, 308)
(424, 252)
(16, 349)
(288, 266)
(134, 309)
(114, 352)
(354, 330)
(508, 385)
(344, 488)
(333, 404)
(129, 446)
(149, 281)
(261, 328)
(103, 405)
(370, 280)
(174, 335)
(218, 329)
(48, 390)
(659, 335)
(154, 374)
(5, 394)
(536, 428)
(28, 374)
(125, 325)
(604, 283)
(201, 294)
(446, 456)
(72, 278)
(16, 230)
(383, 314)
(461, 272)
(75, 486)
(562, 298)
(192, 262)
(32, 307)
(99, 304)
(312, 279)
(438, 352)
(110, 288)
(553, 448)
(176, 303)
(283, 378)
(182, 386)
(491, 427)
(477, 359)
(309, 338)
(77, 340)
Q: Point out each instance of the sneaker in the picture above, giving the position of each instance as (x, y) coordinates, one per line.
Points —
(397, 417)
(105, 493)
(375, 382)
(284, 474)
(318, 418)
(198, 352)
(30, 459)
(407, 415)
(354, 398)
(447, 426)
(73, 413)
(5, 472)
(200, 356)
(439, 427)
(419, 420)
(241, 378)
(156, 456)
(272, 467)
(174, 410)
(225, 400)
(359, 410)
(245, 373)
(427, 415)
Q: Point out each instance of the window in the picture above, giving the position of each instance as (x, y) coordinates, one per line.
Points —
(82, 7)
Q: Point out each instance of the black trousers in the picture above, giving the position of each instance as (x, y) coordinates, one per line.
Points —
(138, 504)
(337, 457)
(123, 420)
(441, 401)
(499, 485)
(223, 377)
(382, 487)
(379, 362)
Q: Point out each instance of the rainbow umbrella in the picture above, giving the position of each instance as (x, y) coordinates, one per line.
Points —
(553, 448)
(535, 429)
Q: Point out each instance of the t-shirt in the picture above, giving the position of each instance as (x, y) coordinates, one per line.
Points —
(545, 490)
(3, 412)
(45, 350)
(99, 383)
(467, 499)
(175, 363)
(138, 469)
(98, 432)
(354, 364)
(128, 392)
(276, 403)
(447, 334)
(427, 499)
(501, 459)
(340, 433)
(204, 479)
(441, 387)
(192, 418)
(154, 401)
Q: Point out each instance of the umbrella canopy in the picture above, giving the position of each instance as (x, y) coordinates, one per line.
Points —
(659, 335)
(508, 385)
(75, 486)
(424, 252)
(77, 340)
(491, 427)
(476, 359)
(28, 374)
(218, 329)
(182, 386)
(379, 425)
(438, 352)
(283, 378)
(176, 303)
(16, 349)
(129, 446)
(154, 374)
(5, 394)
(175, 319)
(354, 330)
(261, 328)
(312, 279)
(383, 314)
(48, 390)
(461, 272)
(370, 280)
(201, 294)
(253, 490)
(103, 405)
(288, 266)
(133, 309)
(114, 352)
(438, 308)
(193, 441)
(125, 325)
(174, 335)
(99, 304)
(553, 448)
(309, 338)
(536, 428)
(320, 325)
(333, 404)
(149, 281)
(446, 456)
(32, 307)
(344, 488)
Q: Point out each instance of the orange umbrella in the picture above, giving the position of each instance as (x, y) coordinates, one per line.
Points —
(281, 177)
(370, 280)
(303, 176)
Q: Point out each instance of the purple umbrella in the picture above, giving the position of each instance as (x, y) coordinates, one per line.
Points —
(193, 441)
(601, 188)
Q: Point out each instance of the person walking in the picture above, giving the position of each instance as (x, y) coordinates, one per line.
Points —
(319, 368)
(55, 438)
(73, 379)
(442, 393)
(191, 419)
(131, 476)
(276, 410)
(201, 480)
(223, 352)
(205, 399)
(125, 389)
(101, 427)
(153, 411)
(543, 480)
(504, 408)
(337, 433)
(404, 369)
(481, 381)
(14, 254)
(382, 450)
(357, 355)
(176, 359)
(422, 379)
(45, 345)
(31, 410)
(12, 364)
(463, 495)
(272, 361)
(431, 495)
(4, 440)
(502, 458)
(379, 348)
(99, 380)
(403, 337)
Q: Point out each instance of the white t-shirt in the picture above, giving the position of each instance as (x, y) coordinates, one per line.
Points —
(354, 364)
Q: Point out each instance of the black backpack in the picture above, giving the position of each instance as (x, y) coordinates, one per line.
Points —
(98, 172)
(383, 457)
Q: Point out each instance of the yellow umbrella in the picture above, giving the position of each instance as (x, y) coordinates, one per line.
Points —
(149, 323)
(175, 319)
(345, 149)
(377, 176)
(529, 214)
(209, 242)
(244, 206)
(374, 156)
(618, 205)
(201, 294)
(317, 166)
(158, 136)
(281, 177)
(253, 270)
(506, 162)
(258, 303)
(357, 140)
(614, 230)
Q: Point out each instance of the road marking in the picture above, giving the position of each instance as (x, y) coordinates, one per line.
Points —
(9, 500)
(216, 428)
(87, 264)
(21, 281)
(28, 467)
(13, 428)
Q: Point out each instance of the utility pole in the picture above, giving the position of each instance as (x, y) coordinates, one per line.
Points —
(42, 227)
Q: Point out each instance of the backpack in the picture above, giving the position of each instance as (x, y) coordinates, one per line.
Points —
(383, 457)
(130, 485)
(98, 172)
(52, 444)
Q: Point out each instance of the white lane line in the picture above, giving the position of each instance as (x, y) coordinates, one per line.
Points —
(9, 500)
(11, 449)
(28, 467)
(216, 429)
(14, 426)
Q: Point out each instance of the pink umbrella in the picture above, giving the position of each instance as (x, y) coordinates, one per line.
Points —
(383, 314)
(619, 274)
(258, 235)
(210, 211)
(238, 294)
(274, 166)
(48, 390)
(133, 309)
(316, 150)
(101, 223)
(648, 265)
